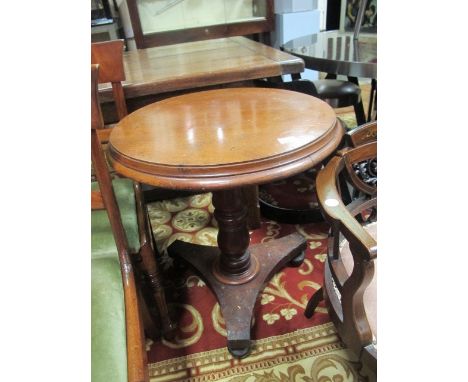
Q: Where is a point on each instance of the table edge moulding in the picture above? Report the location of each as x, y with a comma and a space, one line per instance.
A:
148, 167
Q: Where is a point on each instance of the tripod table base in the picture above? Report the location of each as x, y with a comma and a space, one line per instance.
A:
237, 300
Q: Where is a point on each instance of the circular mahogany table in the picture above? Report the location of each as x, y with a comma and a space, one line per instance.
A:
220, 141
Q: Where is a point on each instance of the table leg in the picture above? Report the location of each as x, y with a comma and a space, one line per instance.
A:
372, 98
235, 271
359, 107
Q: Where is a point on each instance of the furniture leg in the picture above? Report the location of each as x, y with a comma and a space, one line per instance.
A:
151, 329
296, 76
253, 207
372, 99
359, 107
153, 278
235, 271
147, 263
313, 303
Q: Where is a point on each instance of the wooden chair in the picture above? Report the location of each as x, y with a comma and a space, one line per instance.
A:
109, 57
350, 270
118, 352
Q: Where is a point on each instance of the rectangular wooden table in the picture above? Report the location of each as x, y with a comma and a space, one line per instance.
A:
200, 64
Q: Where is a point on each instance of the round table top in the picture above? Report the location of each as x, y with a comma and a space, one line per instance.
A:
224, 138
336, 52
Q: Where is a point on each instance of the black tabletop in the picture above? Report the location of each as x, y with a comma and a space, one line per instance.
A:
337, 52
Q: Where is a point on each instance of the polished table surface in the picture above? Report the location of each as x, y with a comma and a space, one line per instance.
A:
337, 53
199, 64
224, 138
221, 141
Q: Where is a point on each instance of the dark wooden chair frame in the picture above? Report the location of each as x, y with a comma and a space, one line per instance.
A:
346, 307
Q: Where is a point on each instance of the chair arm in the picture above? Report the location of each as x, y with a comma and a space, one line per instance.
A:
335, 211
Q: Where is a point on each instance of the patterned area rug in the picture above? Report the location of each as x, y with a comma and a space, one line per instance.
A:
286, 346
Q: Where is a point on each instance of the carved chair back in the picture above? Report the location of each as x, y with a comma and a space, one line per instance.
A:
361, 134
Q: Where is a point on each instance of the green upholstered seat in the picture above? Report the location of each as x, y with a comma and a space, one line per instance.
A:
108, 335
102, 240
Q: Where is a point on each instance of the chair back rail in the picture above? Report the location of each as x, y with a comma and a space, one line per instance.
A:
362, 134
363, 153
334, 209
108, 55
136, 356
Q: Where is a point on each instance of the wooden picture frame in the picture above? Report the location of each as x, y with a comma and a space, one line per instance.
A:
205, 32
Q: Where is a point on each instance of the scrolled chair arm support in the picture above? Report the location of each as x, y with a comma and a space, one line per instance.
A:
336, 211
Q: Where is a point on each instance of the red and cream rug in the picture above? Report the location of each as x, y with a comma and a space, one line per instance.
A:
286, 346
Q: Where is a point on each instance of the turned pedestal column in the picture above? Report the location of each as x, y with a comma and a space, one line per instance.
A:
235, 271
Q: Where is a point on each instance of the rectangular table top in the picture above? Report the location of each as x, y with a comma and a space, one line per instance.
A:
202, 63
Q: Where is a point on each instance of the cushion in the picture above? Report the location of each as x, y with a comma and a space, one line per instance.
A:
370, 295
108, 341
102, 240
338, 93
328, 88
108, 334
